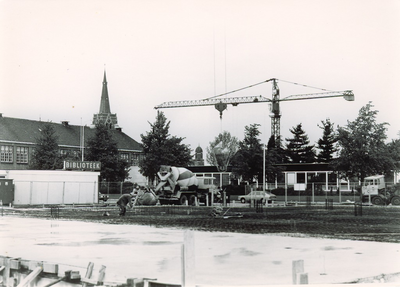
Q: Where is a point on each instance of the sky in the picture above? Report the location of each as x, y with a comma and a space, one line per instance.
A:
54, 53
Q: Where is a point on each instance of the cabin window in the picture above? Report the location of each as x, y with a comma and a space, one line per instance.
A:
301, 178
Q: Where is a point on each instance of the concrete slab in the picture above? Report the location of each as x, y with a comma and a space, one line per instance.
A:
221, 258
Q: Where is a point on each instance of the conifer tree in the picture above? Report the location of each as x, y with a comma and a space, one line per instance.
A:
248, 162
298, 149
274, 155
327, 143
103, 148
46, 153
160, 148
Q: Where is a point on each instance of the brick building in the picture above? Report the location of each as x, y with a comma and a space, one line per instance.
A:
18, 137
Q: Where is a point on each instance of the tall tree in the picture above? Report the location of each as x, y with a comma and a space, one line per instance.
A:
363, 150
160, 148
46, 153
327, 143
298, 149
274, 155
221, 150
248, 162
102, 147
394, 151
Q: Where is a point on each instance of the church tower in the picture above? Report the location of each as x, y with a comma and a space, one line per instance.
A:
105, 116
198, 157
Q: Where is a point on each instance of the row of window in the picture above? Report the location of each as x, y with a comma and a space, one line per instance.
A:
21, 155
7, 154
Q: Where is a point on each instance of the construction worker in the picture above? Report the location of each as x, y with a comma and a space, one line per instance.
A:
123, 201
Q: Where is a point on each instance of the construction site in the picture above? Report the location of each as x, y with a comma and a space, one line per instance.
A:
243, 245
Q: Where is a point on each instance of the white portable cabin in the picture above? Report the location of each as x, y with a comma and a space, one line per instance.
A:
36, 187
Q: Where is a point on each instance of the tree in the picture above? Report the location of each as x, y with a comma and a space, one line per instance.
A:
363, 151
46, 153
248, 161
327, 143
103, 148
394, 152
221, 150
160, 148
274, 155
298, 149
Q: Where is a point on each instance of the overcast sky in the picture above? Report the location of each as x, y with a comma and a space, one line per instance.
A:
54, 53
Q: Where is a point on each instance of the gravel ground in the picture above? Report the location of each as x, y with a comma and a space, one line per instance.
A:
380, 224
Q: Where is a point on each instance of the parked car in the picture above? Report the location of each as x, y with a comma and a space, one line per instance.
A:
257, 195
103, 197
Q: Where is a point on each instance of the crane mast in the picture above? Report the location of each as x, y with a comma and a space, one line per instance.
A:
221, 103
275, 113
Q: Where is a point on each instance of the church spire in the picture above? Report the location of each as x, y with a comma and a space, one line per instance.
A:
105, 116
105, 102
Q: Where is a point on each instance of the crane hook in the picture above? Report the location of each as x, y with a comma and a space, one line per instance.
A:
220, 107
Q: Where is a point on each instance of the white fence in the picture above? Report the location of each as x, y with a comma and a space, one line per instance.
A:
55, 192
35, 187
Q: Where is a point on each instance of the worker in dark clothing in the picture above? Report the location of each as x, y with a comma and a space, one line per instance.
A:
123, 201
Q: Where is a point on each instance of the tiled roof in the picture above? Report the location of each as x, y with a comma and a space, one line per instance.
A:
27, 131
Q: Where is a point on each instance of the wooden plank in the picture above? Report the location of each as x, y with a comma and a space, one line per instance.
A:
15, 263
161, 284
50, 268
89, 272
6, 273
34, 264
102, 275
28, 279
88, 281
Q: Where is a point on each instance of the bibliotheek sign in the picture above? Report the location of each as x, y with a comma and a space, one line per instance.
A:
82, 165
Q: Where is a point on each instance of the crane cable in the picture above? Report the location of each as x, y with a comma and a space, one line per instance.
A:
305, 85
234, 91
247, 87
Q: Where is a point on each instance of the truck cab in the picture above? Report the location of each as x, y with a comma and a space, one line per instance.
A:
372, 185
374, 190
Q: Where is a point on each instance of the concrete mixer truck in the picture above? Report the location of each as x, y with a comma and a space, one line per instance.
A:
179, 185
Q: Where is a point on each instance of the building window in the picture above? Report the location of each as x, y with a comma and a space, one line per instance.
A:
70, 154
124, 156
21, 154
63, 153
301, 178
135, 159
6, 153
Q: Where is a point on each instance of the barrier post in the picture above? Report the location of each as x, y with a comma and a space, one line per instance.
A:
297, 267
188, 260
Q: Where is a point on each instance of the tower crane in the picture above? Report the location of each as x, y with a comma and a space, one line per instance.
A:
221, 103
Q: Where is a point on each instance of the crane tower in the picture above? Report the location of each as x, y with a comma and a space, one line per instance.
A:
221, 103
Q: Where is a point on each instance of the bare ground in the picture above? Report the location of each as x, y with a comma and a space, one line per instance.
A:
376, 223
